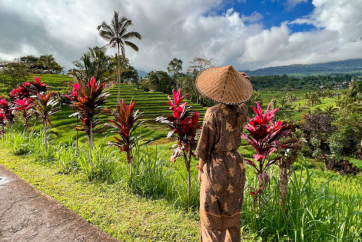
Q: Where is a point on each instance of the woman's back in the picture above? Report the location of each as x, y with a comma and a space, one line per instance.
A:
227, 123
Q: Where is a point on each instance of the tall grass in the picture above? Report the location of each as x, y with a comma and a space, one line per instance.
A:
312, 212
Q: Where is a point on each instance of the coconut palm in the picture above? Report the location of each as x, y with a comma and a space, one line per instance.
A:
117, 35
47, 61
330, 110
93, 63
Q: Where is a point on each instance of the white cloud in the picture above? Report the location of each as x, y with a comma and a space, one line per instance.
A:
337, 37
293, 3
181, 29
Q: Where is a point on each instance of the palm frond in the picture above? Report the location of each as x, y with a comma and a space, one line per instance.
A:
133, 46
132, 35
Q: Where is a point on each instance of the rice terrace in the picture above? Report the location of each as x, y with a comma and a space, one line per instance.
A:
123, 121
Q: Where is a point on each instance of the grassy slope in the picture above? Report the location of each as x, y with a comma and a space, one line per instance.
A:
116, 211
153, 104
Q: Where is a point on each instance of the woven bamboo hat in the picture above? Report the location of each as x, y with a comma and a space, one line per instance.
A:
224, 85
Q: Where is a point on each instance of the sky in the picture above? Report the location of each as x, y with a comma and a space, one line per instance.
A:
247, 34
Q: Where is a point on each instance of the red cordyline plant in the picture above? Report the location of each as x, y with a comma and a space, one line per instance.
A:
25, 105
264, 136
7, 109
124, 125
25, 91
37, 86
21, 92
89, 104
3, 122
45, 106
73, 97
184, 124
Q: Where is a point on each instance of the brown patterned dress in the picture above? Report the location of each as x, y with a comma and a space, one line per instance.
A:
223, 179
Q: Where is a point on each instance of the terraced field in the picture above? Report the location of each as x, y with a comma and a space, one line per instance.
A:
153, 104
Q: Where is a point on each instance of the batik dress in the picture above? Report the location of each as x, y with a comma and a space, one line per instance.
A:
223, 179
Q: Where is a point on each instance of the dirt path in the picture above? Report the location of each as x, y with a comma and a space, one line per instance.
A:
27, 214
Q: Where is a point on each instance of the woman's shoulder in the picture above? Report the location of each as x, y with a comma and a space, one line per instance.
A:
211, 111
214, 108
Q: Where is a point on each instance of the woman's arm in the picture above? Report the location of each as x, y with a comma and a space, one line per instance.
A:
201, 165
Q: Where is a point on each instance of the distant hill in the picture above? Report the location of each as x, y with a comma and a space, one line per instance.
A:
141, 73
353, 67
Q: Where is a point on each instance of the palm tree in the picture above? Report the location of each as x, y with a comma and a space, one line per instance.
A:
47, 61
330, 110
117, 35
94, 63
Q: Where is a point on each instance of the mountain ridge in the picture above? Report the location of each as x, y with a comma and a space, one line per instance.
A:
350, 66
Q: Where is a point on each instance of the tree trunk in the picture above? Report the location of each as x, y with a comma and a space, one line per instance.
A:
45, 135
119, 78
130, 161
283, 185
90, 141
130, 171
76, 152
27, 130
36, 120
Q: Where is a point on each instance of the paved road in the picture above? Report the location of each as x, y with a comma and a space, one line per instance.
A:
27, 214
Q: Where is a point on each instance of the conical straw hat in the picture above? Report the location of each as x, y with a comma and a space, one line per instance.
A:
224, 85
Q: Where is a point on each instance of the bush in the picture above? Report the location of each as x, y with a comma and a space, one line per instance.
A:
313, 213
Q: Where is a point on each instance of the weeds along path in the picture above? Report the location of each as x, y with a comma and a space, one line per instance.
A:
110, 207
29, 215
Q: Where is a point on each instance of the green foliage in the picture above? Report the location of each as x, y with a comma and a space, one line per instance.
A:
348, 134
319, 207
315, 212
93, 63
160, 81
12, 74
330, 68
285, 82
111, 207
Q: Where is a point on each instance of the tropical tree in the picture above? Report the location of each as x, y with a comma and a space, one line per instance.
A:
129, 73
58, 68
47, 61
174, 68
160, 81
12, 74
330, 110
93, 63
117, 36
355, 91
199, 64
46, 105
124, 125
89, 105
318, 126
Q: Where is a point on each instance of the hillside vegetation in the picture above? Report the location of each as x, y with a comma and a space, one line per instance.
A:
353, 67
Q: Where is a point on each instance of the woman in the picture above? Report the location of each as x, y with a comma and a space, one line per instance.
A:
221, 168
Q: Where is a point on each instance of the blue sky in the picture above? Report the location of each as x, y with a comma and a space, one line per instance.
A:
276, 12
248, 34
